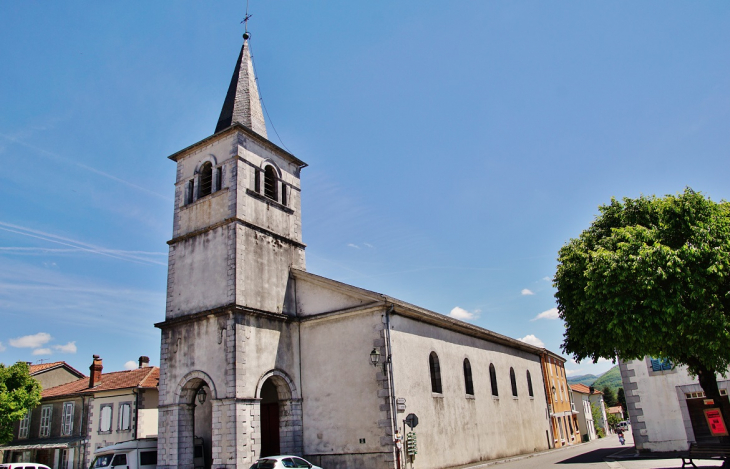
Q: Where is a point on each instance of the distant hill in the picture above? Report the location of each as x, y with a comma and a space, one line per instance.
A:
583, 379
611, 378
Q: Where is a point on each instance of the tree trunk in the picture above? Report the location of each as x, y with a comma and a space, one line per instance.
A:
708, 381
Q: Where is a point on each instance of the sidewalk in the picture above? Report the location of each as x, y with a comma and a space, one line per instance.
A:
630, 454
519, 457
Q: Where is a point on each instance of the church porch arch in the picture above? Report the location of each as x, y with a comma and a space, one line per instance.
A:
280, 415
195, 418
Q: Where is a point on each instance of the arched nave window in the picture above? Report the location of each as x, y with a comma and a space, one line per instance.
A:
467, 378
493, 379
433, 365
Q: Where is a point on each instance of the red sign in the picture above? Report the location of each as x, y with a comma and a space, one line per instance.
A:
715, 422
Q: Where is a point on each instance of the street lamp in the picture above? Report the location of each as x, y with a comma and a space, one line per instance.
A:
202, 395
375, 357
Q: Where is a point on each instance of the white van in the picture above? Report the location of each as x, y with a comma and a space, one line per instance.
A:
138, 454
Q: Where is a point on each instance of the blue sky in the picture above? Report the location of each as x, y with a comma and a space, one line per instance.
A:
453, 147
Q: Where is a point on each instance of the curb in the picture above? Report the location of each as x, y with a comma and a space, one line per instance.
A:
518, 457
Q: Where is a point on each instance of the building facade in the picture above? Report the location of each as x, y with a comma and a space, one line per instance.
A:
79, 416
260, 357
563, 415
663, 401
582, 401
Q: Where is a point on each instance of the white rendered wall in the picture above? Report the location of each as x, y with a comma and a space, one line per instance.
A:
343, 393
651, 398
455, 428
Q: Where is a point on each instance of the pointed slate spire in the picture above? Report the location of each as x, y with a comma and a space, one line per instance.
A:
242, 104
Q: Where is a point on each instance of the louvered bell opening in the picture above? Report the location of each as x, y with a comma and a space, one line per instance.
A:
270, 183
206, 180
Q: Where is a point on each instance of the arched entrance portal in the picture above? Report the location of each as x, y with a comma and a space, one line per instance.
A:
280, 415
203, 427
195, 421
269, 419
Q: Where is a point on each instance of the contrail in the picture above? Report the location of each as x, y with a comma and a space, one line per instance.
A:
87, 168
131, 256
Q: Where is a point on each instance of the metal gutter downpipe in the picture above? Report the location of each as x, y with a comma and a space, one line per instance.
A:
391, 385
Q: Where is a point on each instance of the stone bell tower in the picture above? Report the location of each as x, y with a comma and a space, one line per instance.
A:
237, 232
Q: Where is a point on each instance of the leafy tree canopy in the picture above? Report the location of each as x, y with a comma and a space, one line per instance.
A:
613, 420
650, 276
19, 392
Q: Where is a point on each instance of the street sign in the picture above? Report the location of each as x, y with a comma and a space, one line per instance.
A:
412, 420
400, 408
401, 400
411, 444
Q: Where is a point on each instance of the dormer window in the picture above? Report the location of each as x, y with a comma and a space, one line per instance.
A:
206, 180
270, 185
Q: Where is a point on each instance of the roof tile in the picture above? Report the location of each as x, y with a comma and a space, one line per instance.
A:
146, 377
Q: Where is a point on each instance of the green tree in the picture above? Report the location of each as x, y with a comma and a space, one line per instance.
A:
621, 398
650, 276
597, 420
19, 392
613, 420
608, 396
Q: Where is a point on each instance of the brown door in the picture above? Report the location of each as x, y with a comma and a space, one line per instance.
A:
269, 429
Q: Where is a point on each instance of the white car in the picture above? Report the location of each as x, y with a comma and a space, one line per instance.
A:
23, 465
280, 462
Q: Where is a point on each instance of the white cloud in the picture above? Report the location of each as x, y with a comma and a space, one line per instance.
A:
526, 291
532, 340
68, 348
31, 341
462, 314
552, 313
572, 372
2, 347
131, 365
350, 245
42, 351
548, 279
369, 245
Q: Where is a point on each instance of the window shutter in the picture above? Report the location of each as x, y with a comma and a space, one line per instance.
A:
656, 364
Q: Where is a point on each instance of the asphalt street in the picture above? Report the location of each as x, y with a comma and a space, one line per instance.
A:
605, 453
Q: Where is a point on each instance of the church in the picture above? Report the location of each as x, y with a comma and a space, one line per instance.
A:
260, 357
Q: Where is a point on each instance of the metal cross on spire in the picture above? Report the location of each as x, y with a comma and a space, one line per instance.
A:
245, 23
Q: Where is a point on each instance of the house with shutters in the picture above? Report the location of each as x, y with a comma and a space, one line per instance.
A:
564, 429
80, 415
582, 401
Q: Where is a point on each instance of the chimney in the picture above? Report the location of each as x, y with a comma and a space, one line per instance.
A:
95, 372
144, 361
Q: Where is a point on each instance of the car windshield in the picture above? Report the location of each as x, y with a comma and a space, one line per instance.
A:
264, 464
102, 461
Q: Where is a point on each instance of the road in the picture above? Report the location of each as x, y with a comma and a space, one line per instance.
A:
588, 455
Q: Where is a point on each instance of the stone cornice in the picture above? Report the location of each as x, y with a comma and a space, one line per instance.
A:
230, 220
236, 127
222, 311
